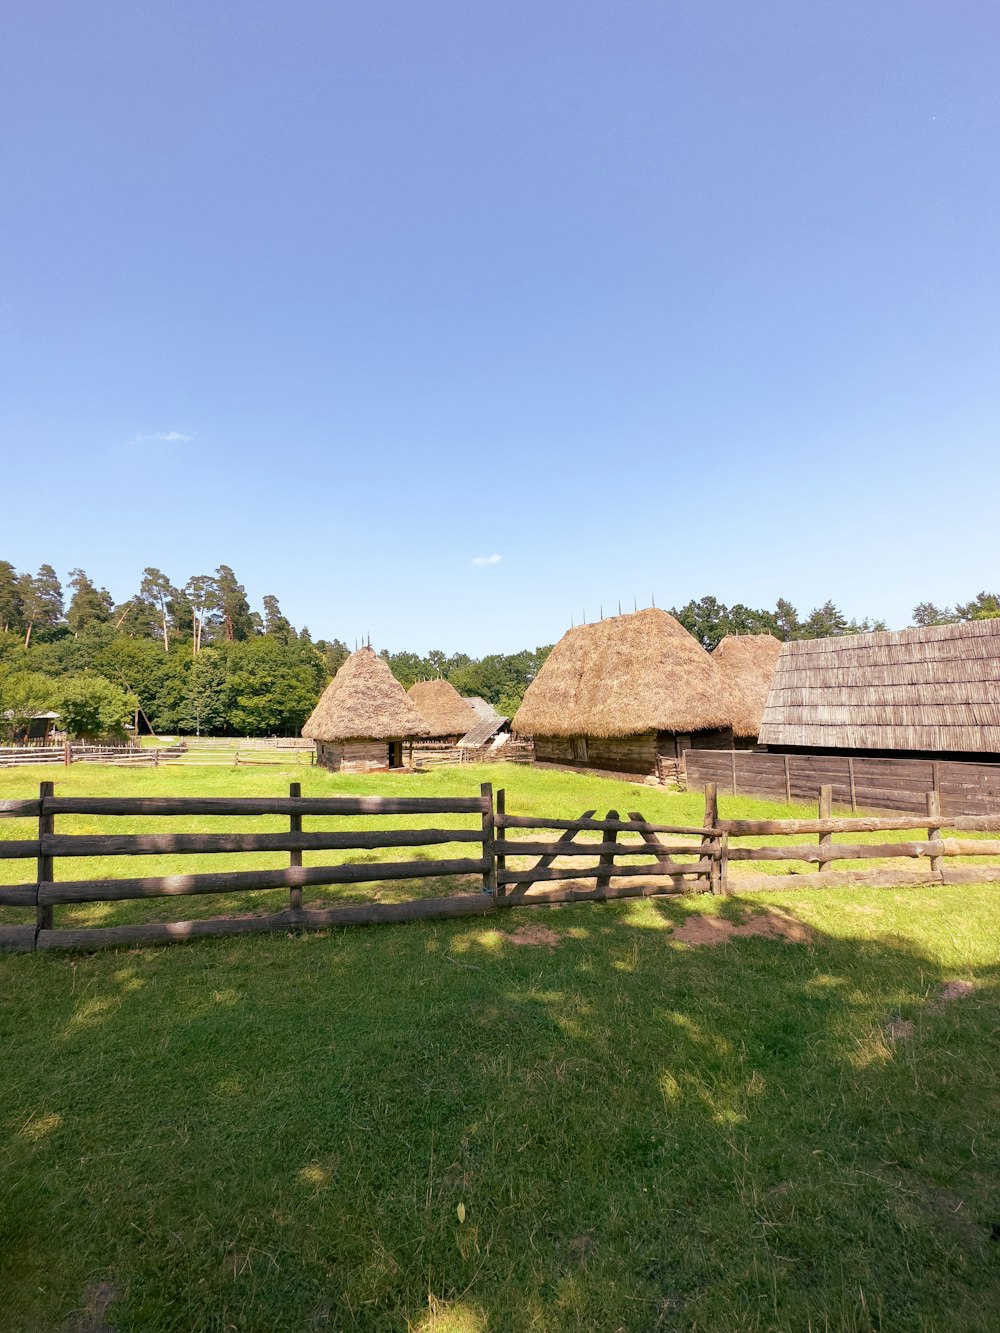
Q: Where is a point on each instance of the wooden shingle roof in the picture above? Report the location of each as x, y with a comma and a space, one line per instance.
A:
927, 689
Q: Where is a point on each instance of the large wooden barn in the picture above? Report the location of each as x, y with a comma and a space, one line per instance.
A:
364, 719
629, 692
446, 713
929, 693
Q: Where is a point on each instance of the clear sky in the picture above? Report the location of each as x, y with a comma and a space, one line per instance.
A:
674, 298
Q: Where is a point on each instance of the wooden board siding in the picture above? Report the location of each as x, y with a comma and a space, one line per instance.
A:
876, 784
355, 756
625, 754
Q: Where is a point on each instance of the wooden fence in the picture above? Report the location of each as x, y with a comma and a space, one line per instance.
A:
47, 892
500, 884
609, 857
516, 885
929, 858
858, 783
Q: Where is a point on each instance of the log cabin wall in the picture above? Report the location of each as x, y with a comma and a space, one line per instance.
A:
859, 782
355, 756
615, 754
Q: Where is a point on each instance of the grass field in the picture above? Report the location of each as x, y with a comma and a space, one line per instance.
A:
569, 1120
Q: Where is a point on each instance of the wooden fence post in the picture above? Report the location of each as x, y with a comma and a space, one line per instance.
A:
67, 752
45, 874
709, 863
732, 757
489, 841
825, 812
850, 779
606, 861
295, 857
723, 876
934, 811
500, 834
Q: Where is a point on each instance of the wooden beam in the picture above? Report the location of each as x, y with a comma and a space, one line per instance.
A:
237, 881
266, 805
362, 914
159, 844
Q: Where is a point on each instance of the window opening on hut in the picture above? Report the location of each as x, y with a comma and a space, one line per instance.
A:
580, 749
395, 754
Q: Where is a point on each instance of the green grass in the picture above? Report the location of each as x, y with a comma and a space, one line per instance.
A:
273, 1133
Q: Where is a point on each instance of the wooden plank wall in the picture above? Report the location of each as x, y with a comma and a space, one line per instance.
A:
858, 782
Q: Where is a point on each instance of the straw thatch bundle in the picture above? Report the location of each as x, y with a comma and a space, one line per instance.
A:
442, 707
364, 701
626, 676
934, 689
747, 661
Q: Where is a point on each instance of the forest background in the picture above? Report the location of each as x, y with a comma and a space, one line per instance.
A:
196, 659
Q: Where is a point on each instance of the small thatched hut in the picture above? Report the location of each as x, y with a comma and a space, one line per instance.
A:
926, 692
623, 692
747, 662
364, 718
445, 712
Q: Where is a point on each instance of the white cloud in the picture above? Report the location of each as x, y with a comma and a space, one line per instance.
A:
165, 437
487, 559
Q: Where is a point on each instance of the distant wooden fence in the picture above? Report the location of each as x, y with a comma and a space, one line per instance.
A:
609, 858
196, 752
858, 783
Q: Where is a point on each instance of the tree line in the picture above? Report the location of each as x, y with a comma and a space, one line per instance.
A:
196, 658
191, 658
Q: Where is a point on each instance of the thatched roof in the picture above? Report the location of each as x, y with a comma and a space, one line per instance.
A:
624, 676
364, 701
748, 661
442, 707
926, 689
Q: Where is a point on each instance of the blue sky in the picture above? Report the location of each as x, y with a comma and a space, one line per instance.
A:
643, 298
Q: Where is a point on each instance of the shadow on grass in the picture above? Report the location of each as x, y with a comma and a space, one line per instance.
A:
449, 1127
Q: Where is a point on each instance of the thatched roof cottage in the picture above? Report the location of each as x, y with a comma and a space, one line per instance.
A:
364, 719
925, 692
624, 692
747, 662
444, 710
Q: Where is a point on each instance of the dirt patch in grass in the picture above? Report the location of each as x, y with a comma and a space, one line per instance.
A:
899, 1029
537, 936
771, 924
948, 992
97, 1301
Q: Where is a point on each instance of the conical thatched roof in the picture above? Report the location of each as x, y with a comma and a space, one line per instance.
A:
748, 661
442, 707
364, 701
624, 676
934, 688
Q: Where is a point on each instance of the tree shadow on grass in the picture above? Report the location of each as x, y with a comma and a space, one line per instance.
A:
641, 1134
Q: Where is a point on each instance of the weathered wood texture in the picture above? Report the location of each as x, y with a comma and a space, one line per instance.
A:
46, 893
858, 782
